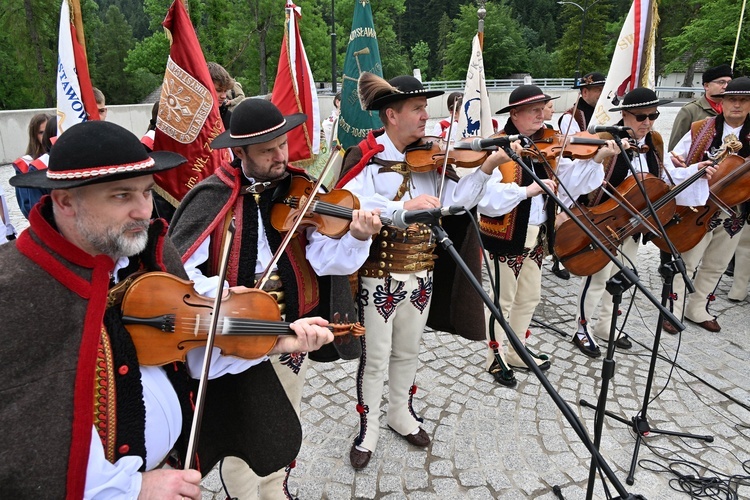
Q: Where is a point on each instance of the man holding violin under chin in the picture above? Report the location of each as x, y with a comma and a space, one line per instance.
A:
249, 190
602, 175
517, 225
396, 282
81, 417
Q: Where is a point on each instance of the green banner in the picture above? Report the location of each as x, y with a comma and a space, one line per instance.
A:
362, 54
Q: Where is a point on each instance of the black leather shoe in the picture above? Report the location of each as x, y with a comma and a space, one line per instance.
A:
558, 270
623, 342
359, 459
420, 439
503, 374
589, 350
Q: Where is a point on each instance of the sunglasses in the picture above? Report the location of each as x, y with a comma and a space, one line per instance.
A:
642, 117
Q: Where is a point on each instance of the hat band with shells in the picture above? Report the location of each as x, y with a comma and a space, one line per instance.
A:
85, 173
529, 99
256, 134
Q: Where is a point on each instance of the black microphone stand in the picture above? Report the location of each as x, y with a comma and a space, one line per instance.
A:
442, 238
616, 286
620, 282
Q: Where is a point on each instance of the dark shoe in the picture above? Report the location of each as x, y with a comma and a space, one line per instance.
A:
668, 327
623, 342
711, 325
559, 271
503, 375
587, 348
359, 459
420, 439
730, 268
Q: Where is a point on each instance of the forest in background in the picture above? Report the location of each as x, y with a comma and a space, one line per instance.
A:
127, 48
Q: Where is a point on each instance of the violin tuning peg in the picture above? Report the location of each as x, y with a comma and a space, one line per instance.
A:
346, 317
336, 317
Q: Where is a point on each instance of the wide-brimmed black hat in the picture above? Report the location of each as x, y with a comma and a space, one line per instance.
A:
641, 97
712, 74
738, 86
255, 121
523, 95
96, 151
590, 80
402, 88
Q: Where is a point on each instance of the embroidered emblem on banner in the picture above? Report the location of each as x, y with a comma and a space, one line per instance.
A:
184, 105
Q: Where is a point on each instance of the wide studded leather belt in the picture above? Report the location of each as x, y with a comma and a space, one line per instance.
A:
400, 251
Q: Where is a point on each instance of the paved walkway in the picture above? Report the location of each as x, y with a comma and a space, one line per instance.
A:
494, 442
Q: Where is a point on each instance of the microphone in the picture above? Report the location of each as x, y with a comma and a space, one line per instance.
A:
405, 218
489, 144
594, 129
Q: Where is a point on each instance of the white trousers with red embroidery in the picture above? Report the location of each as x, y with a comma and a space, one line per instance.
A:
395, 313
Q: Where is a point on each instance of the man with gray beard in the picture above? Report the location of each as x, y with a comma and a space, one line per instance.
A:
82, 418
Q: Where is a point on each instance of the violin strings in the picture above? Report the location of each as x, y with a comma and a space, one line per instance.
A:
241, 326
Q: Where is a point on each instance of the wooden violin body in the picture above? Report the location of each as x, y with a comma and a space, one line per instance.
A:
429, 154
574, 248
166, 318
730, 184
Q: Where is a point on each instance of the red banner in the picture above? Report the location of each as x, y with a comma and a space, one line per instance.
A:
188, 117
294, 90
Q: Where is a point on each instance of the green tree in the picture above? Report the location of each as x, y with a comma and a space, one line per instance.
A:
710, 34
594, 55
504, 51
420, 55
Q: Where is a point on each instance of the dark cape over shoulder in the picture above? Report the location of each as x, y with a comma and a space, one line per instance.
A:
53, 296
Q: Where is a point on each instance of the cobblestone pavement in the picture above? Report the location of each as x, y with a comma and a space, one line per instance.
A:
490, 441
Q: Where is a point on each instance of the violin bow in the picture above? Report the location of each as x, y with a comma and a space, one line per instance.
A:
200, 399
305, 207
448, 141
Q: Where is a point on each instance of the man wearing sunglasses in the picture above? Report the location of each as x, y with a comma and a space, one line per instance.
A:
711, 256
639, 112
715, 81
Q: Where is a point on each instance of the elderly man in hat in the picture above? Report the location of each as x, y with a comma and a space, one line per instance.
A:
591, 86
517, 225
639, 110
710, 257
715, 81
247, 190
396, 285
107, 424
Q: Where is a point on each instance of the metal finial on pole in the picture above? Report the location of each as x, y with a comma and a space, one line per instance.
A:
481, 14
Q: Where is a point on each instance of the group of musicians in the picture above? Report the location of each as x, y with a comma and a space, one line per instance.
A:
110, 424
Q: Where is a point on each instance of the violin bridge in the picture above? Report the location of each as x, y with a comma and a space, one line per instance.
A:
197, 325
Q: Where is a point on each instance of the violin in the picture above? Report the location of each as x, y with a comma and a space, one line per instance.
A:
429, 154
330, 213
730, 186
581, 145
166, 318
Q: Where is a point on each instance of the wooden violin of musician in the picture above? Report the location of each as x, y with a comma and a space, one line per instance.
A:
166, 318
430, 154
330, 213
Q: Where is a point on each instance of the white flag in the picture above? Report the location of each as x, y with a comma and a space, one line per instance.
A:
475, 115
633, 61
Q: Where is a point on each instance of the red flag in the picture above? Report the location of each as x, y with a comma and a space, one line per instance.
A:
294, 90
188, 117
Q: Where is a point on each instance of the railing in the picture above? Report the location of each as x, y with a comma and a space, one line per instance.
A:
545, 83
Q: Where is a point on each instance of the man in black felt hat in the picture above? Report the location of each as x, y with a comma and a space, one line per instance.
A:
710, 257
591, 86
517, 226
639, 110
398, 288
84, 419
247, 190
715, 81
